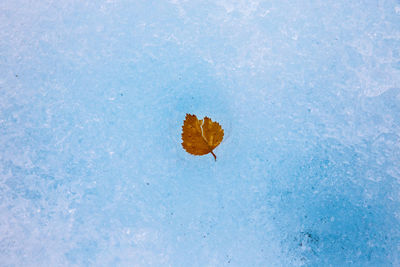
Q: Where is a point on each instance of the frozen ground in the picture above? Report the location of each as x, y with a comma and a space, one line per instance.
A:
92, 98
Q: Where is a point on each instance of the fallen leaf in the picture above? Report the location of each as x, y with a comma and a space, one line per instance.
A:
201, 137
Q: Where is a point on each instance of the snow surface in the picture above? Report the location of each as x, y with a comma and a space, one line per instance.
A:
92, 98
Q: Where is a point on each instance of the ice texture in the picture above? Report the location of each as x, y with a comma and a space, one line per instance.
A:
93, 95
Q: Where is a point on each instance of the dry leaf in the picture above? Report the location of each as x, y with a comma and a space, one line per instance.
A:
200, 137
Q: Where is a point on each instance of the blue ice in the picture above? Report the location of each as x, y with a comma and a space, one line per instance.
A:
93, 95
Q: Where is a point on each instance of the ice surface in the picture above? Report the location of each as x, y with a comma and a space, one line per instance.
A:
92, 98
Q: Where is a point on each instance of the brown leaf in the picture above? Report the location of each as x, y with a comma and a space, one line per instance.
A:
200, 137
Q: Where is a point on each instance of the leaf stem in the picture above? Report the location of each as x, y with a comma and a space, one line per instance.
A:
215, 157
